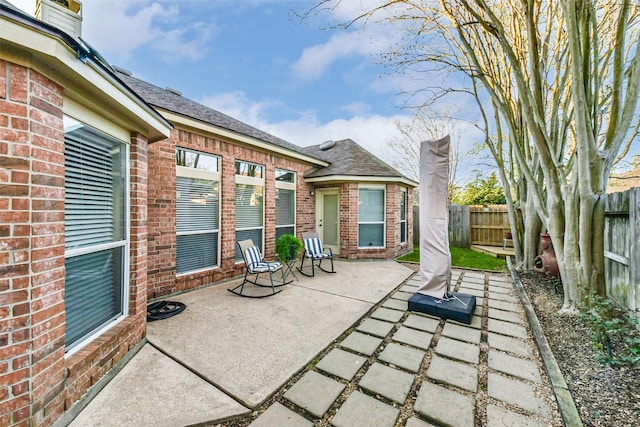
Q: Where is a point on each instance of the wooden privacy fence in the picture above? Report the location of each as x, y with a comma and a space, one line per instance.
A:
472, 225
622, 248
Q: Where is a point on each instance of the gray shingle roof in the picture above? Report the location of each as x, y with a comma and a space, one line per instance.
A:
170, 101
349, 158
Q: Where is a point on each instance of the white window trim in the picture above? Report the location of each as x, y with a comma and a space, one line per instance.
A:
125, 244
187, 172
404, 194
382, 187
283, 185
259, 182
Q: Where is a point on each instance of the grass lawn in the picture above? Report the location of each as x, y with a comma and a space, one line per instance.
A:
464, 258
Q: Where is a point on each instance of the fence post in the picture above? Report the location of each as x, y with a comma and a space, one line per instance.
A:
634, 249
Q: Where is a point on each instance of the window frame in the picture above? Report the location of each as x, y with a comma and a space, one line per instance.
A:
403, 210
289, 186
207, 175
124, 243
242, 179
378, 187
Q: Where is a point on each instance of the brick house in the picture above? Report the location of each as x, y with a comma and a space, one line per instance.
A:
114, 191
258, 186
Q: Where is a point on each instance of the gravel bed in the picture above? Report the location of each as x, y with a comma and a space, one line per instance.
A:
604, 396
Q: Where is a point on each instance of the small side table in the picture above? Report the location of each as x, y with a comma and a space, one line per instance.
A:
504, 243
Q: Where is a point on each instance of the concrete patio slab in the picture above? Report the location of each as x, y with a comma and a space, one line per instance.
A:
369, 281
266, 341
152, 383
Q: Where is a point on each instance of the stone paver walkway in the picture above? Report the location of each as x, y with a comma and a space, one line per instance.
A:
400, 368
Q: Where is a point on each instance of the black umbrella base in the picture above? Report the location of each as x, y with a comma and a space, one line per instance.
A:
457, 306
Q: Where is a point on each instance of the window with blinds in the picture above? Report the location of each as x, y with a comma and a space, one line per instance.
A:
403, 216
197, 211
249, 204
96, 238
285, 202
371, 216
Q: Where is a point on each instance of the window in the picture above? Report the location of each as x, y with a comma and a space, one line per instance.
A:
403, 215
371, 217
96, 231
285, 202
197, 211
249, 204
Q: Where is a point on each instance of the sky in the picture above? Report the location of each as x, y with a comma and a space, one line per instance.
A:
259, 62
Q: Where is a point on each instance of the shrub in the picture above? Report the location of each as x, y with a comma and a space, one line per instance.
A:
614, 333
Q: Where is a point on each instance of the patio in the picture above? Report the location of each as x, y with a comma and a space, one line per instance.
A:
224, 355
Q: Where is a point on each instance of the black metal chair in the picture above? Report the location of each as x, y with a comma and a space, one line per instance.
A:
256, 265
314, 251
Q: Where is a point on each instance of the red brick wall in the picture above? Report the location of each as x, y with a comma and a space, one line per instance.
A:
37, 383
349, 224
162, 209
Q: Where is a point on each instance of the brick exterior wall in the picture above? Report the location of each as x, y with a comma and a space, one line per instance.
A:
349, 223
162, 209
37, 382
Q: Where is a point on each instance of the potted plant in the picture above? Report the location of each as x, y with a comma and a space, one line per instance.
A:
287, 247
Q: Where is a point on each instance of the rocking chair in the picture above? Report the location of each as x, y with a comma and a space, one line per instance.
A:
257, 265
314, 251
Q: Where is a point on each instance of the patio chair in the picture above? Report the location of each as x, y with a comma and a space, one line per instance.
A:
257, 265
314, 251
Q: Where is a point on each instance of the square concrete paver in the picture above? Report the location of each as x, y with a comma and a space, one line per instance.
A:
503, 305
499, 417
413, 337
522, 368
396, 304
510, 344
457, 374
281, 416
375, 327
507, 316
445, 406
403, 296
423, 323
476, 320
501, 296
362, 343
388, 382
458, 350
472, 285
498, 289
506, 328
463, 333
314, 392
517, 393
360, 410
403, 356
478, 293
387, 314
341, 363
493, 282
414, 422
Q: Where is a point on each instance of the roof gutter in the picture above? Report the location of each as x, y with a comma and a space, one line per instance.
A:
361, 178
87, 55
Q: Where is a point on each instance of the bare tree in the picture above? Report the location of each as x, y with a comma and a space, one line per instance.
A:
404, 150
564, 80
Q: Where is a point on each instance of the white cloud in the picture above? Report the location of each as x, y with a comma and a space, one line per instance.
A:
119, 29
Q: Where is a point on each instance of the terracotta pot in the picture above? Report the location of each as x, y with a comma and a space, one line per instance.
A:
546, 263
